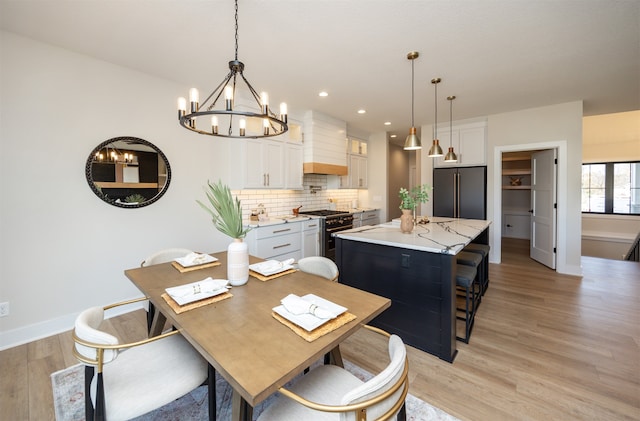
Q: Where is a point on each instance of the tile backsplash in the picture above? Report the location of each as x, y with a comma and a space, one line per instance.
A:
280, 202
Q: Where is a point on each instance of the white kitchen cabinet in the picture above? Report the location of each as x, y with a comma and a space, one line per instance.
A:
311, 238
293, 166
358, 177
469, 144
277, 241
261, 164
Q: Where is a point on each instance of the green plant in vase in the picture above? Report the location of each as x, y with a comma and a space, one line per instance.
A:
409, 200
226, 215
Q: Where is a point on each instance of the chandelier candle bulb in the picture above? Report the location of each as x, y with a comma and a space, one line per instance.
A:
283, 112
214, 125
264, 98
194, 98
243, 126
265, 124
228, 97
182, 107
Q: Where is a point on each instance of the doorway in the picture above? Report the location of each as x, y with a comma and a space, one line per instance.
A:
496, 214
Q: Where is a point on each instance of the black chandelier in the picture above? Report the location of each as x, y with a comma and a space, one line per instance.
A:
254, 121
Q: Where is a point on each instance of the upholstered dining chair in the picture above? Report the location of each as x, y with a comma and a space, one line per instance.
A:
318, 265
162, 256
146, 375
329, 392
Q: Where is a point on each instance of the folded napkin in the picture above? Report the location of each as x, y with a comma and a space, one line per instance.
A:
272, 266
206, 286
194, 258
297, 306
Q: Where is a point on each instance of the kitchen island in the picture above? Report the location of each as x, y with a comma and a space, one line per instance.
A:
416, 271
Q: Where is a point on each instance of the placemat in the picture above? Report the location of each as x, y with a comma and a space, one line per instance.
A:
330, 326
270, 277
181, 309
183, 269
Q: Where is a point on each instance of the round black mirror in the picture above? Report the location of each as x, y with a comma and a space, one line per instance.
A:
128, 172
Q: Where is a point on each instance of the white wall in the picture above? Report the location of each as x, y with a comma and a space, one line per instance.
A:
61, 248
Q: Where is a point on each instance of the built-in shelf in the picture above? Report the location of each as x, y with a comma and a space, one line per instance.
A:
517, 171
114, 185
516, 187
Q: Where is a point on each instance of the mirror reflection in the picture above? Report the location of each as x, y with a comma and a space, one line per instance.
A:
128, 172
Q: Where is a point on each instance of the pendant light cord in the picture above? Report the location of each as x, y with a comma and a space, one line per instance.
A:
412, 92
435, 123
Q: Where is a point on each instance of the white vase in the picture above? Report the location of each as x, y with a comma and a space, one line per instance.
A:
238, 262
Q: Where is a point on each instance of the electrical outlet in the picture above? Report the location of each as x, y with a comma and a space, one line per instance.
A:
4, 309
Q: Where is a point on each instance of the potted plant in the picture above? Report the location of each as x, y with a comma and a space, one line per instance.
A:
226, 215
409, 200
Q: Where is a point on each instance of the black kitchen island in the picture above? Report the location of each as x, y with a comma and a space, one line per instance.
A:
416, 271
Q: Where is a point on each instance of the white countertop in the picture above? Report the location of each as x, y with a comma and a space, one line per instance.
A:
440, 235
275, 220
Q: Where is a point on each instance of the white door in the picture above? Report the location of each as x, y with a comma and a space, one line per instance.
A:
543, 204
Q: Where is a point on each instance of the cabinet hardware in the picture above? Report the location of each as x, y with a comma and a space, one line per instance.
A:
284, 230
283, 245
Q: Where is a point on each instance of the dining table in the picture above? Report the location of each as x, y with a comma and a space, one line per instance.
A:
241, 337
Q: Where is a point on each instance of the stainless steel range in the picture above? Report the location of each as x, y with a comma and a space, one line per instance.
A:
331, 222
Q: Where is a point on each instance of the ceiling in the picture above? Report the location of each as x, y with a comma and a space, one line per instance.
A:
494, 55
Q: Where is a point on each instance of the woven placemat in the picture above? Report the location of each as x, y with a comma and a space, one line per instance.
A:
181, 309
270, 277
183, 269
330, 326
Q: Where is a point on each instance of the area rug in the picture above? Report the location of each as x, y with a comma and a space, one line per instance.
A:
68, 400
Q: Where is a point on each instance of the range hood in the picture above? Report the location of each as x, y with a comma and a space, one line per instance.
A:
325, 144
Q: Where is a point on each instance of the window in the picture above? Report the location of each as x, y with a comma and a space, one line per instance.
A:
611, 187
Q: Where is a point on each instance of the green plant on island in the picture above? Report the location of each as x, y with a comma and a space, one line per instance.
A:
225, 210
411, 199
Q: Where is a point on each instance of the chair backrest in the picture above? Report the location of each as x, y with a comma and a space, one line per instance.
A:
318, 265
86, 329
379, 384
164, 256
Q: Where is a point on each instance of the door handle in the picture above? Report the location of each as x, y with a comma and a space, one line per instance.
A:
530, 210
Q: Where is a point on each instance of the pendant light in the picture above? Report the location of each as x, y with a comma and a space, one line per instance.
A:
412, 142
435, 149
255, 120
451, 155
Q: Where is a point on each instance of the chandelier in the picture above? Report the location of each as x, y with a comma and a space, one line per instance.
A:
232, 120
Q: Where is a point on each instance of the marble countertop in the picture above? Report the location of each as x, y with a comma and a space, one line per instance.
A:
440, 235
275, 220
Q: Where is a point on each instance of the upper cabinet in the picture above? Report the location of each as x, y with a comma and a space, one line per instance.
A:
324, 144
469, 143
270, 163
357, 177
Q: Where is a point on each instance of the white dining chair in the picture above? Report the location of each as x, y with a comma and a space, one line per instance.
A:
319, 265
329, 392
135, 378
162, 256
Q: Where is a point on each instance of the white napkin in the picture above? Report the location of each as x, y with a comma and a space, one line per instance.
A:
297, 306
206, 286
194, 258
272, 266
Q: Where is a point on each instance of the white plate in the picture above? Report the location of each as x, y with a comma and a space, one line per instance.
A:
204, 260
271, 267
310, 322
196, 291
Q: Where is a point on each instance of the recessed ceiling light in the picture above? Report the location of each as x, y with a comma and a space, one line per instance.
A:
393, 136
323, 94
362, 111
387, 123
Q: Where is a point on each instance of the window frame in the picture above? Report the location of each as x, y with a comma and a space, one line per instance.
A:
608, 187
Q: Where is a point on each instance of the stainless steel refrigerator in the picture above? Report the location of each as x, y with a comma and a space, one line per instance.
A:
460, 192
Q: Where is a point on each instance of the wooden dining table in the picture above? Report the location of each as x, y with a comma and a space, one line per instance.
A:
239, 336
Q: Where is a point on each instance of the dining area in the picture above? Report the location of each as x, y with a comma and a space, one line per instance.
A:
251, 336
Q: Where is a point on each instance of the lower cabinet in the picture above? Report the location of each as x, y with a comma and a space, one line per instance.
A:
311, 238
291, 240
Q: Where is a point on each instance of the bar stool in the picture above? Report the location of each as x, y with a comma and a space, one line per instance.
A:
465, 279
474, 260
484, 250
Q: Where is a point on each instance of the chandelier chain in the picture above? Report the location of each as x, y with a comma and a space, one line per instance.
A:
236, 30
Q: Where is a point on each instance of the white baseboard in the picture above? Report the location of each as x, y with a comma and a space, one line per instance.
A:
26, 334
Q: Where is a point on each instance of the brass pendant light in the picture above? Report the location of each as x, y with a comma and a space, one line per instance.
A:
435, 150
412, 142
451, 155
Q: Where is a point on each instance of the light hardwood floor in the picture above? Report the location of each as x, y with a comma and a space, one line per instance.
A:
545, 347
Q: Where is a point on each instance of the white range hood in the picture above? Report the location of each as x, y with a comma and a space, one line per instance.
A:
325, 144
